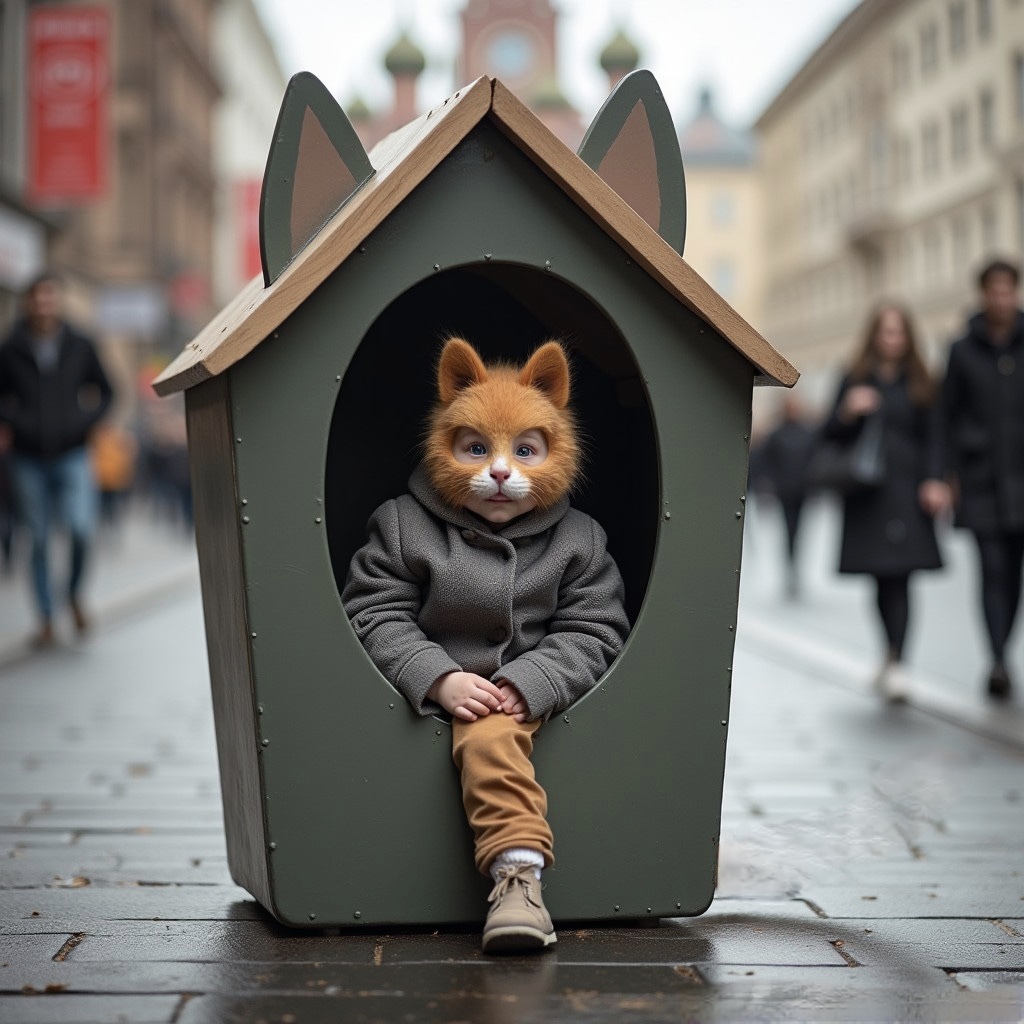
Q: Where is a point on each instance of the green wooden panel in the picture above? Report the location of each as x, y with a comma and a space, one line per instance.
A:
361, 799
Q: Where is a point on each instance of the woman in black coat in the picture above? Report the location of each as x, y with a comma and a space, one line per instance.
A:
888, 531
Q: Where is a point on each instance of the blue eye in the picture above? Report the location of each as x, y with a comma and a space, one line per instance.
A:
476, 449
524, 451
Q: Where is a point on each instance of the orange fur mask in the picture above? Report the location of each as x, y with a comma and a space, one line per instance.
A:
499, 405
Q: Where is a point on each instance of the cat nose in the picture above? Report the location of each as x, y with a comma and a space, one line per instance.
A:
500, 473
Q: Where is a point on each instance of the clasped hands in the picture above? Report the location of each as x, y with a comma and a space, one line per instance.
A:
469, 696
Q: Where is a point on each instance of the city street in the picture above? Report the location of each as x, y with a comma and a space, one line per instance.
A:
871, 865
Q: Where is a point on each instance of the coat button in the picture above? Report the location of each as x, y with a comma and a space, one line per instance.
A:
497, 635
468, 535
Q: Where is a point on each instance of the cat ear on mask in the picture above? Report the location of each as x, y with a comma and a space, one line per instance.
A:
548, 371
632, 145
315, 165
459, 368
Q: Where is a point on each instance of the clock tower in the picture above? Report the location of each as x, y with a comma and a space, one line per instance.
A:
516, 41
513, 40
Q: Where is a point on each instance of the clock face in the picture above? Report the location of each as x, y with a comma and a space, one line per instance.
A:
511, 53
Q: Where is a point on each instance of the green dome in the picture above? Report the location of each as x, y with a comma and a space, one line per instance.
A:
547, 95
620, 54
357, 110
404, 57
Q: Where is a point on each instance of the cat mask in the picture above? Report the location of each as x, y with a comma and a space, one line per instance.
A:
499, 405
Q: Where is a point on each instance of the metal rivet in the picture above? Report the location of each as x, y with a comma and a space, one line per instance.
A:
259, 709
616, 906
238, 440
265, 743
276, 335
318, 520
273, 846
648, 910
724, 722
245, 501
487, 255
438, 732
392, 706
337, 378
668, 515
437, 266
743, 498
312, 917
253, 635
362, 248
629, 263
739, 515
746, 437
729, 669
565, 718
731, 628
547, 264
679, 906
357, 914
245, 519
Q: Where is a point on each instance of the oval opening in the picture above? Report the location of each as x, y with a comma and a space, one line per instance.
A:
505, 311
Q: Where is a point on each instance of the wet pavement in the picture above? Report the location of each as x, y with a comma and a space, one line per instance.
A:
872, 857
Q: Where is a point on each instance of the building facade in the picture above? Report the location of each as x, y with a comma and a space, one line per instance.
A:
723, 208
892, 166
252, 84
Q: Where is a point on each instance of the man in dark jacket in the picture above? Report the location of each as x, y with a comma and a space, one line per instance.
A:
53, 390
983, 400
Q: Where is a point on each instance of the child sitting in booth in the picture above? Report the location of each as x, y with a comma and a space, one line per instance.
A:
482, 593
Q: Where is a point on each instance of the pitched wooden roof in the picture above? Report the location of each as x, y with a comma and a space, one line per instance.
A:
403, 160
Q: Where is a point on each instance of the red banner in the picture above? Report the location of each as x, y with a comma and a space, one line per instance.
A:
248, 208
68, 86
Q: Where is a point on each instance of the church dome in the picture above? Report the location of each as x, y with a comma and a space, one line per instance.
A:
620, 54
548, 95
404, 57
357, 110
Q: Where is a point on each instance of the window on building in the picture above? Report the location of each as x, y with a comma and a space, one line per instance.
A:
723, 278
984, 12
930, 149
1018, 86
986, 118
929, 48
723, 209
989, 231
1020, 214
900, 65
960, 234
957, 27
958, 139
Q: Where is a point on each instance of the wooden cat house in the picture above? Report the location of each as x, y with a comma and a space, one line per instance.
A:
306, 398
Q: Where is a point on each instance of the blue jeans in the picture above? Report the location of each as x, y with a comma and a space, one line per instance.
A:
58, 488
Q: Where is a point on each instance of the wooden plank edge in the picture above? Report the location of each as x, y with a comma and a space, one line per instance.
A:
234, 333
521, 126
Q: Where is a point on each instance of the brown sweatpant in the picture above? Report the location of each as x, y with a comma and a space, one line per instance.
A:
505, 804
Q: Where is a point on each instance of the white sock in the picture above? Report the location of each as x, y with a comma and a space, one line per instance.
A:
517, 855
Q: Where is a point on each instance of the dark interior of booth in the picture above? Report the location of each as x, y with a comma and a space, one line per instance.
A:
505, 311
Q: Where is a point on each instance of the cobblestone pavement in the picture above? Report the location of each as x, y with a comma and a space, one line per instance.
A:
872, 865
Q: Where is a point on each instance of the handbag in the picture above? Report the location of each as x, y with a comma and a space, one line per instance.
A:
850, 467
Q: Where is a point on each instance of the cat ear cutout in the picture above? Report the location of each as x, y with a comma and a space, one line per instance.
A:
460, 367
316, 163
548, 371
632, 145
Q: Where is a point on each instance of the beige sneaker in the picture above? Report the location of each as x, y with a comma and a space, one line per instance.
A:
518, 918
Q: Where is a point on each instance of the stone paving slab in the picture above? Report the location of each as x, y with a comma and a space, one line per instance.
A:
61, 1008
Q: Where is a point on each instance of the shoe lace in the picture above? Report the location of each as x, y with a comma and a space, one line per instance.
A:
510, 875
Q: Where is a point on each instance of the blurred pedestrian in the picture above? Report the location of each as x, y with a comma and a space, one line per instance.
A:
53, 390
983, 399
888, 530
780, 469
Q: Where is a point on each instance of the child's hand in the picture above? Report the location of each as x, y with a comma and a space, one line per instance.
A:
512, 702
466, 695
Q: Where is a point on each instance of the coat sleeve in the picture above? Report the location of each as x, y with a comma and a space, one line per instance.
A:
584, 636
836, 428
382, 598
96, 375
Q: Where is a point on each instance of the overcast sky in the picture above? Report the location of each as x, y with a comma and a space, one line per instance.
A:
745, 49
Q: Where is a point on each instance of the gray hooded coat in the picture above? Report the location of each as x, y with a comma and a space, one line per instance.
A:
437, 590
